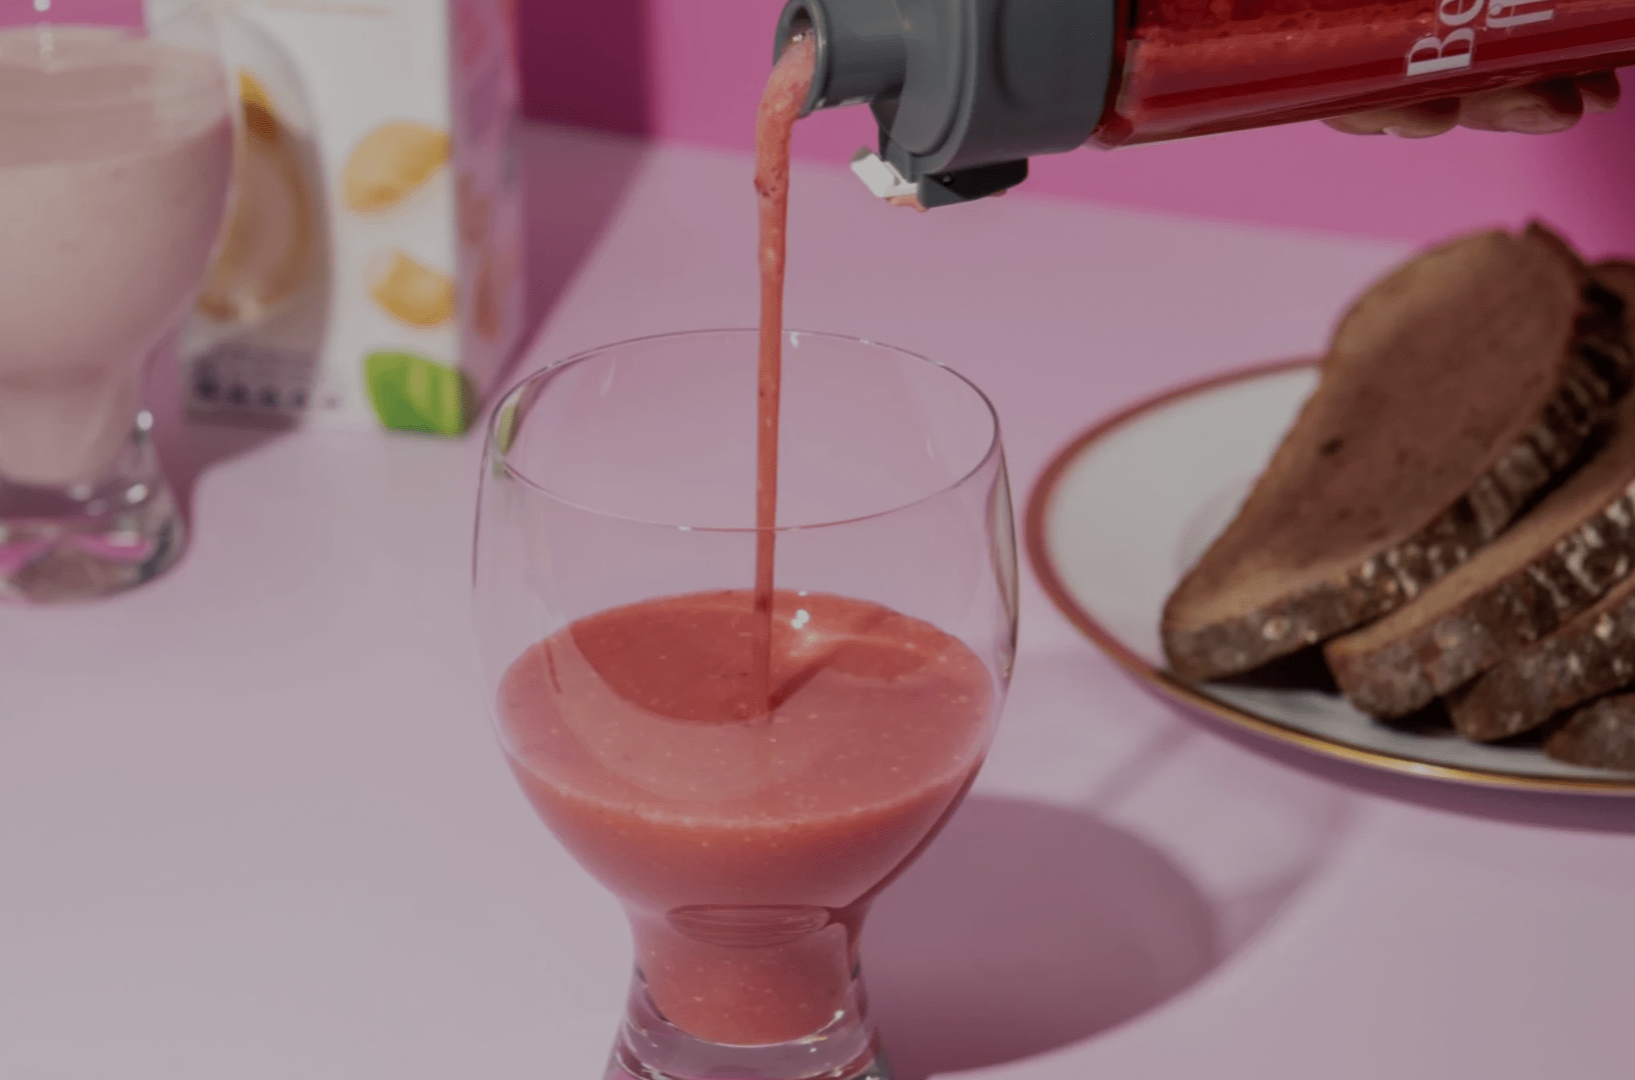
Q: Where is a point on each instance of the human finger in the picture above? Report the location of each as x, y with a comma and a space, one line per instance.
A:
1540, 108
1410, 122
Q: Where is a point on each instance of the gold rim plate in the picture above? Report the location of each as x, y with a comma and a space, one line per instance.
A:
1121, 511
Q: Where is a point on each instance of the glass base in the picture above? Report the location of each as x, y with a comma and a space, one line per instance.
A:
651, 1048
90, 539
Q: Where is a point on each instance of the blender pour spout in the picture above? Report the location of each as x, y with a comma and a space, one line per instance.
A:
963, 91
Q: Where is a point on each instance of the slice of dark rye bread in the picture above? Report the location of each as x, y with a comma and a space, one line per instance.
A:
1560, 558
1454, 390
1601, 735
1591, 655
1590, 652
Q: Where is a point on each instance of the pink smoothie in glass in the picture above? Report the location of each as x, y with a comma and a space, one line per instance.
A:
746, 849
115, 159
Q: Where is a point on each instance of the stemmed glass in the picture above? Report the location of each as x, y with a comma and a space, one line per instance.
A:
614, 554
116, 156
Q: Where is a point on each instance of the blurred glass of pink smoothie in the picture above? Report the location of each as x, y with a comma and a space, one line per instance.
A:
115, 161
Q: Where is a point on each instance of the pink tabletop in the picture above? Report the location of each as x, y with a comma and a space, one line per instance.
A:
252, 822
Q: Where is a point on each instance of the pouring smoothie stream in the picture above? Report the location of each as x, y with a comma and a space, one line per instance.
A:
747, 766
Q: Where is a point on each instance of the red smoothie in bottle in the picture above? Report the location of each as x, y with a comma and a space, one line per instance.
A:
1195, 67
746, 849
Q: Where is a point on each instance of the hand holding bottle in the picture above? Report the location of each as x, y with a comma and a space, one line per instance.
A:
1537, 109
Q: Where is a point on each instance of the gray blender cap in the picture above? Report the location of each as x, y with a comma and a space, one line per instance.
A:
964, 91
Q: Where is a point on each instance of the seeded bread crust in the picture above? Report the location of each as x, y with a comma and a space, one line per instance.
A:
1595, 370
1499, 601
1601, 736
1503, 600
1588, 656
1592, 655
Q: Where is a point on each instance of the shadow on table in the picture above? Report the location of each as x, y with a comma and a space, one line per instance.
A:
1024, 928
574, 182
1131, 856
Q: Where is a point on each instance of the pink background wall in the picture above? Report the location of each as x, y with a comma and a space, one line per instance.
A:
691, 70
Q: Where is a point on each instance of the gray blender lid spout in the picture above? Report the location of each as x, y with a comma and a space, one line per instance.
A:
964, 91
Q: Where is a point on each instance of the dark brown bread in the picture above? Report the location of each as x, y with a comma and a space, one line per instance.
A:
1453, 392
1605, 335
1601, 736
1556, 561
1591, 655
1617, 275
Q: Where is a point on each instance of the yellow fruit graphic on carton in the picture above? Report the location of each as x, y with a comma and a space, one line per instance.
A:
267, 243
390, 162
412, 291
260, 117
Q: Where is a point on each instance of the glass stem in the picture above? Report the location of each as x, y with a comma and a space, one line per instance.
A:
651, 1047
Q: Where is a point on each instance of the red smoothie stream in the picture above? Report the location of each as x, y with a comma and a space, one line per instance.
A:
781, 102
746, 769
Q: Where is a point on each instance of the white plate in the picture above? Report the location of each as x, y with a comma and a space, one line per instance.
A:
1121, 513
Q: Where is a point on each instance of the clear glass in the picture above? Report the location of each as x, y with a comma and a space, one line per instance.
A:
116, 158
615, 554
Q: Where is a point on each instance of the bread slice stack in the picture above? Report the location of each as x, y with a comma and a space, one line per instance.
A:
1601, 735
1453, 510
1453, 392
1561, 557
1590, 655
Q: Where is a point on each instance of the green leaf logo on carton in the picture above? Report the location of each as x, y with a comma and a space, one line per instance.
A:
412, 393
